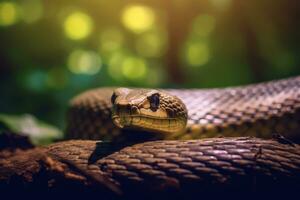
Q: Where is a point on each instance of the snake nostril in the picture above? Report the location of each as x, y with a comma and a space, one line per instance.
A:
134, 110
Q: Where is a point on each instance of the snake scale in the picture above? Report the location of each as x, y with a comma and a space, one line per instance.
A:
237, 153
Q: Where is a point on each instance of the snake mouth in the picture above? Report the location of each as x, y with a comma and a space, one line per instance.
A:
149, 123
121, 122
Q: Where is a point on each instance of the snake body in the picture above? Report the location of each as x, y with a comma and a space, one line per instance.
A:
254, 110
179, 168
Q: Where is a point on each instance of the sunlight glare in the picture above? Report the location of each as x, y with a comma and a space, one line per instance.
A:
134, 68
197, 54
84, 62
8, 13
138, 18
78, 25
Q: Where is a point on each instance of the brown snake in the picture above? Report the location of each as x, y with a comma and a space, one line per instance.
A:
177, 168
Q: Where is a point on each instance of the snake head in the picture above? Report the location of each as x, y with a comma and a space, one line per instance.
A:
148, 109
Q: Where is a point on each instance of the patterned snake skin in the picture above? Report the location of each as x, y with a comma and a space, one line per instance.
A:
206, 164
181, 169
255, 110
160, 169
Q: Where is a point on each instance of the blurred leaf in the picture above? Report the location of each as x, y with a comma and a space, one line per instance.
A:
39, 132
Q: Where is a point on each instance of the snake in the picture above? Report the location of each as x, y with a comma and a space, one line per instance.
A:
253, 110
179, 143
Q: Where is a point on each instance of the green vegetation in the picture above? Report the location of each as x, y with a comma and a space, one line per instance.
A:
53, 50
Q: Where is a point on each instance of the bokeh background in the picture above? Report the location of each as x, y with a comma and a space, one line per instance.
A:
53, 50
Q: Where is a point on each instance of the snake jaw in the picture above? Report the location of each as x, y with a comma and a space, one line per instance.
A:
117, 121
122, 121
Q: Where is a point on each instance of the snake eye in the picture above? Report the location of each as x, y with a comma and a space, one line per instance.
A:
154, 101
113, 98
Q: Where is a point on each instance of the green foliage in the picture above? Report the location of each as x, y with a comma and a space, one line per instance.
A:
38, 131
52, 50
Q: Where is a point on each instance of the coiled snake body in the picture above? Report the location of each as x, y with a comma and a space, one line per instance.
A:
255, 110
178, 167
